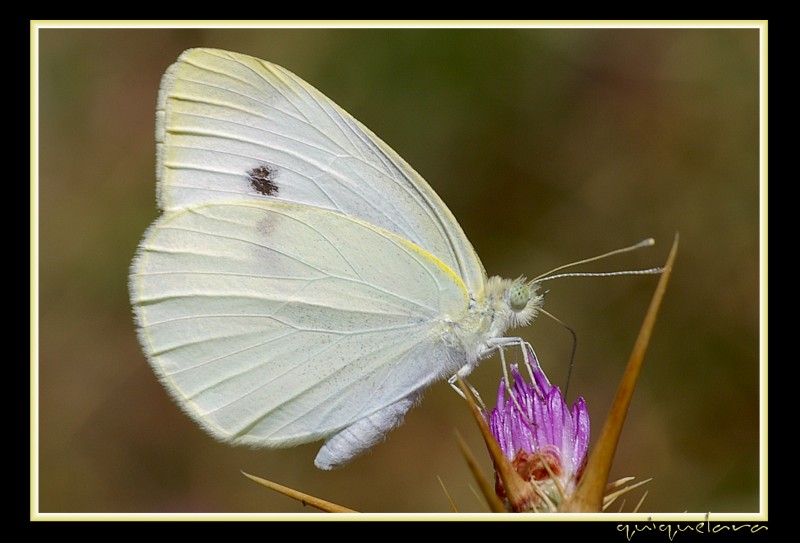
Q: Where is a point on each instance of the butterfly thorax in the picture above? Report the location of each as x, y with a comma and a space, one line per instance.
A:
503, 304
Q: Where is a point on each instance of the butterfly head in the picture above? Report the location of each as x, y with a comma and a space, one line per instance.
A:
514, 303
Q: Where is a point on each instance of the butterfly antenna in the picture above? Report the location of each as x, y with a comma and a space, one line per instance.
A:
649, 242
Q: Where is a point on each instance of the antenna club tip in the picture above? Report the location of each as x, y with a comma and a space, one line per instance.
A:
649, 242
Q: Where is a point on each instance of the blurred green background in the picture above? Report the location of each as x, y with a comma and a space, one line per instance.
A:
549, 146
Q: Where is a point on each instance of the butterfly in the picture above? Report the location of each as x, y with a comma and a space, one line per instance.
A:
303, 282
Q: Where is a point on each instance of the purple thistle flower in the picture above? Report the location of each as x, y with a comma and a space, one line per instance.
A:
545, 442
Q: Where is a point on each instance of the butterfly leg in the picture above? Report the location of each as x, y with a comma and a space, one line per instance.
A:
524, 347
499, 345
359, 437
453, 382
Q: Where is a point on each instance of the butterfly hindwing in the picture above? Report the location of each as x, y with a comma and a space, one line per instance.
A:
274, 324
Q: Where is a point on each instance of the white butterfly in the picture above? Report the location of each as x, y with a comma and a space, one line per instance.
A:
303, 282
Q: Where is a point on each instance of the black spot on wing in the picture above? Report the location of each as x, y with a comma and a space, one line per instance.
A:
262, 179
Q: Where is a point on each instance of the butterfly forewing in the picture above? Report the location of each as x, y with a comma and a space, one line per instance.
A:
230, 126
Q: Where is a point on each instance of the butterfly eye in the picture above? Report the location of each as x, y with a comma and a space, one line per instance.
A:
519, 294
